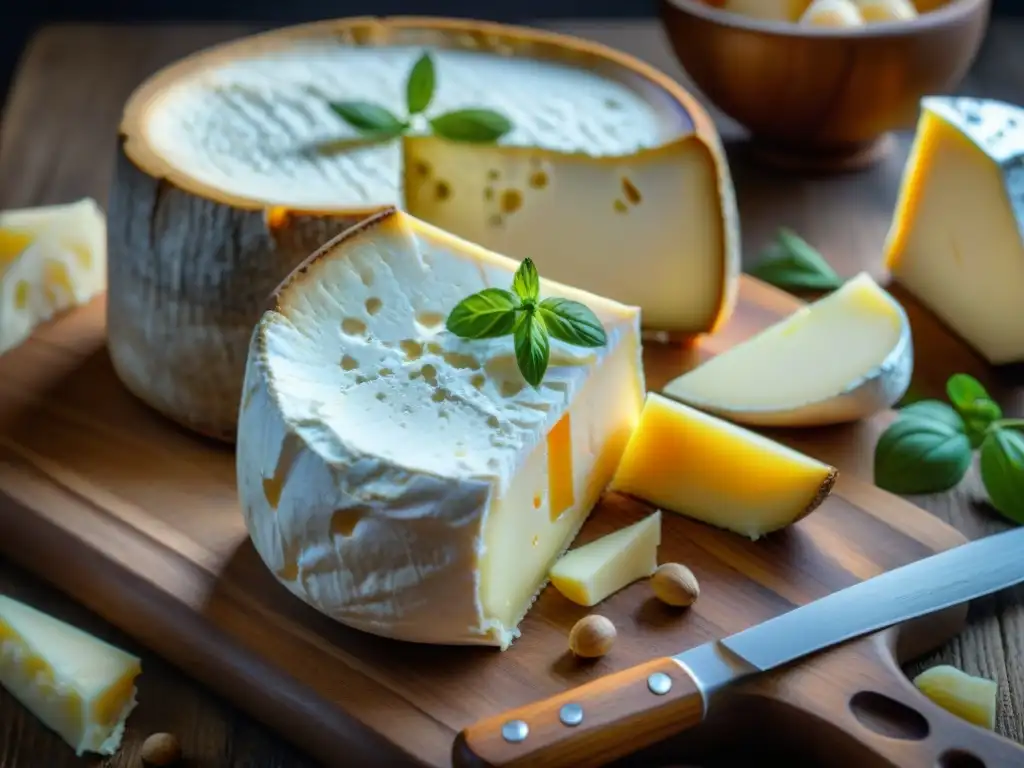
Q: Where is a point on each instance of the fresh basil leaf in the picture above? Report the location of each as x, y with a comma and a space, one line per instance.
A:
367, 117
933, 410
485, 315
964, 390
419, 88
532, 349
917, 455
974, 404
791, 263
475, 125
1002, 471
526, 282
572, 322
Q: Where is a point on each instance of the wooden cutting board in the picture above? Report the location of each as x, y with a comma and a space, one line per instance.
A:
138, 520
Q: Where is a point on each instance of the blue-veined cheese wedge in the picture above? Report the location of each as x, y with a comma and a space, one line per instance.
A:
76, 684
842, 358
957, 235
234, 168
405, 481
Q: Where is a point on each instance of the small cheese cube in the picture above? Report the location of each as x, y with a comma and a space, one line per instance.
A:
589, 574
76, 684
886, 10
966, 696
832, 13
697, 465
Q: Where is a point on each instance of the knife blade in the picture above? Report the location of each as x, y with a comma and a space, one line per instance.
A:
620, 713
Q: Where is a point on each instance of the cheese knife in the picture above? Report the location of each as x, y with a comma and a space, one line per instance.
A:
610, 717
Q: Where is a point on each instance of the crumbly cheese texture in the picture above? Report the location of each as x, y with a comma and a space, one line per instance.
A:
405, 481
51, 258
76, 684
603, 180
842, 358
695, 464
588, 574
957, 236
832, 13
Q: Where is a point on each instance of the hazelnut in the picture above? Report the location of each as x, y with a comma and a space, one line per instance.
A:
161, 749
675, 584
592, 637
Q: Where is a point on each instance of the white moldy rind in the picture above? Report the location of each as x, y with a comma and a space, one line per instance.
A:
230, 172
373, 446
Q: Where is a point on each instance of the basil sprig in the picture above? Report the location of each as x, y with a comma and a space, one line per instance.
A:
532, 321
374, 121
791, 263
930, 446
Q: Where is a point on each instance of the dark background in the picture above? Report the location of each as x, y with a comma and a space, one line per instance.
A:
20, 18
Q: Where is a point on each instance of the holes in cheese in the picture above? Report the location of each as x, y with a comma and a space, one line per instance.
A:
588, 574
468, 483
700, 466
839, 359
76, 684
957, 235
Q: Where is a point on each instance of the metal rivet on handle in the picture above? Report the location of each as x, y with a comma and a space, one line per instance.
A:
659, 683
515, 731
571, 714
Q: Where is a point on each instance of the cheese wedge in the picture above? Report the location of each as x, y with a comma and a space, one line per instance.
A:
405, 481
76, 684
966, 696
51, 258
873, 11
689, 462
613, 177
957, 235
589, 574
768, 10
842, 358
832, 13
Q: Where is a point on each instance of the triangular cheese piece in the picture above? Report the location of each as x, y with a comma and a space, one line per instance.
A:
700, 466
957, 236
589, 574
78, 685
407, 482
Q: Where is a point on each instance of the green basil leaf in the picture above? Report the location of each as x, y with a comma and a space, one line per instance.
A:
933, 410
917, 455
1002, 472
475, 125
974, 404
367, 117
526, 282
419, 88
964, 390
792, 264
532, 349
485, 315
572, 322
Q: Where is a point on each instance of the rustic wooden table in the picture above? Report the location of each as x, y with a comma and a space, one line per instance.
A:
56, 144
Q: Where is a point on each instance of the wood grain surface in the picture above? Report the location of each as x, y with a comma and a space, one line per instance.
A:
57, 144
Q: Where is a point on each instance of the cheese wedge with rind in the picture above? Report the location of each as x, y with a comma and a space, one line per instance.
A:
957, 236
52, 258
590, 573
689, 462
839, 359
404, 481
76, 684
236, 150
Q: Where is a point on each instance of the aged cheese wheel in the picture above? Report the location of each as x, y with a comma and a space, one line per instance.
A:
233, 168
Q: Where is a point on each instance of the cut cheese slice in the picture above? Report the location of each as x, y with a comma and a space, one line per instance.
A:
700, 466
76, 684
842, 358
957, 236
972, 698
613, 178
51, 258
405, 481
833, 13
589, 574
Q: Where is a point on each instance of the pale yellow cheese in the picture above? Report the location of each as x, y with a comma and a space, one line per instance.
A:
76, 684
886, 10
589, 574
972, 698
697, 465
768, 10
832, 13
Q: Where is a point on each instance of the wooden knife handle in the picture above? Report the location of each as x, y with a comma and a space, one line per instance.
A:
590, 725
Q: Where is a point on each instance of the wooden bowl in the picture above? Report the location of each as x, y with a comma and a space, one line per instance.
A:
817, 97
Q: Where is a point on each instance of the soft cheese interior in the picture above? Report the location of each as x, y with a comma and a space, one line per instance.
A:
407, 482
